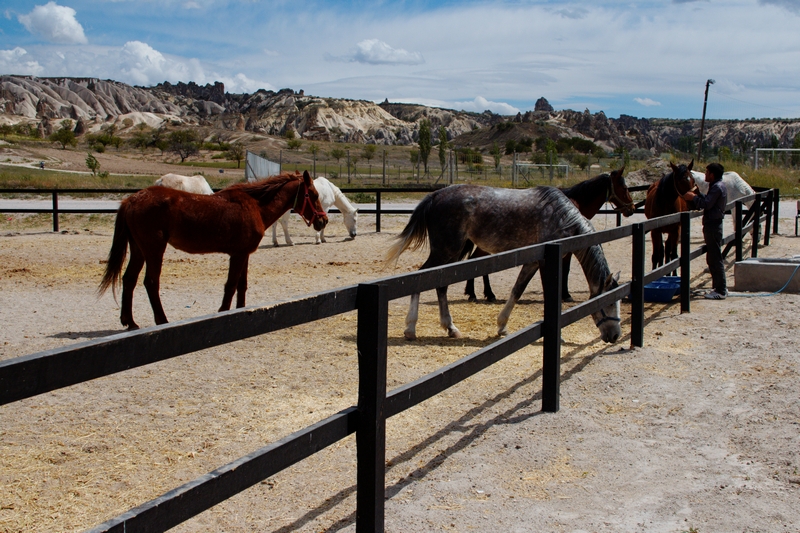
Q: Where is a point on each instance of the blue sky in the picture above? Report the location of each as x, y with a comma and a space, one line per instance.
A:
645, 59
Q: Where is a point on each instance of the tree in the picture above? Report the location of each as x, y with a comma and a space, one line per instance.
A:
236, 152
368, 153
724, 153
443, 146
5, 129
64, 135
496, 154
294, 144
338, 154
183, 143
796, 144
142, 137
425, 142
92, 163
598, 153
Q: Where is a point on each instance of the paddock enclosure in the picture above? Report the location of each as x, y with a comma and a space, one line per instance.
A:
75, 457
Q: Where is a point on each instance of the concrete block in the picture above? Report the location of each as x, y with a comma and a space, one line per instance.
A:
763, 274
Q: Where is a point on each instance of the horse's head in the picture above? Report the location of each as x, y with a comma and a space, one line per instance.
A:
607, 319
351, 223
311, 209
682, 177
619, 195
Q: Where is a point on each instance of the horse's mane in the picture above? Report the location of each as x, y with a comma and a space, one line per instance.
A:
266, 189
589, 188
569, 218
666, 185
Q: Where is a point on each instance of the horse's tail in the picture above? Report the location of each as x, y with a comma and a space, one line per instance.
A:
116, 256
415, 234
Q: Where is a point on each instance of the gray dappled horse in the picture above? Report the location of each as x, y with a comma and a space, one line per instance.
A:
456, 218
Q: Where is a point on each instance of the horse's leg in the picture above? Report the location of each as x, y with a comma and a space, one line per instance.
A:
129, 280
235, 266
275, 234
445, 320
469, 290
284, 220
671, 251
154, 259
658, 248
525, 275
565, 295
411, 318
487, 290
241, 287
320, 236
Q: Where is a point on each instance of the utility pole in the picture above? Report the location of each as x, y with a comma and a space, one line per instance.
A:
703, 120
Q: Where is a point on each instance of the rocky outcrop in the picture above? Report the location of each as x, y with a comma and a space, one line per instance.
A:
91, 102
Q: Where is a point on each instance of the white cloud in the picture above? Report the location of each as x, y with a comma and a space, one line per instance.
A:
13, 62
54, 23
647, 102
790, 5
242, 84
481, 104
375, 52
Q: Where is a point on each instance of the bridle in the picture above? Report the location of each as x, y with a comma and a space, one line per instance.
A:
306, 201
606, 318
619, 204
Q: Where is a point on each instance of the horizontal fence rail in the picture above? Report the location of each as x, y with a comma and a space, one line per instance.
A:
39, 373
378, 210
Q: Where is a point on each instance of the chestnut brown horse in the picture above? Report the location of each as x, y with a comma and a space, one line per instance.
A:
589, 197
664, 197
232, 222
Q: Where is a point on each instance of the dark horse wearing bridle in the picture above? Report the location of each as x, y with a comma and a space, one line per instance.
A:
664, 197
589, 196
232, 222
497, 220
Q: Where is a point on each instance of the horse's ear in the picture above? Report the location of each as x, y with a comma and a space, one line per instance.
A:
689, 168
612, 280
306, 177
622, 170
673, 167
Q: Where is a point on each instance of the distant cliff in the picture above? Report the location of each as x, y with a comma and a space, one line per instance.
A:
93, 102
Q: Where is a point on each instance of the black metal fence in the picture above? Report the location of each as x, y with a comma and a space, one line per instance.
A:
39, 373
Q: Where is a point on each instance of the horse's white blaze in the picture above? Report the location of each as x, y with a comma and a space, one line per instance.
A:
329, 195
194, 184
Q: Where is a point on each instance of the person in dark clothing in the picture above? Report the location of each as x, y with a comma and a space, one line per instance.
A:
713, 206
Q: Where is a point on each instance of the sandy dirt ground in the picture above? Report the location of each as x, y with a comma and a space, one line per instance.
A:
698, 431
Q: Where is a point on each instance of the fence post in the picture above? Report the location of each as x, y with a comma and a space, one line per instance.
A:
756, 226
776, 210
737, 226
637, 286
768, 218
373, 319
686, 251
377, 211
551, 353
55, 211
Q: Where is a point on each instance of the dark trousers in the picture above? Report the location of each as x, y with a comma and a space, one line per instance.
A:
712, 233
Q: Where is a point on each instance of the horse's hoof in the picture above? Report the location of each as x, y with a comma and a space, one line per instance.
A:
491, 299
502, 332
275, 244
132, 327
472, 299
454, 333
567, 298
410, 335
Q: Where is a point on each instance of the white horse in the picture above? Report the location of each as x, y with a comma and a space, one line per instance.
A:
196, 184
329, 194
734, 183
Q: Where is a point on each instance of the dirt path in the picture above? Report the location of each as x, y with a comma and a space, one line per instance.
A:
698, 431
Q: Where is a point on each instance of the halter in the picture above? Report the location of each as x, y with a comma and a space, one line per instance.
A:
611, 195
606, 318
306, 201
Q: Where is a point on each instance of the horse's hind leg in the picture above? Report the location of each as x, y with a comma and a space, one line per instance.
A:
129, 280
525, 275
445, 320
237, 263
411, 318
152, 276
241, 287
658, 249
